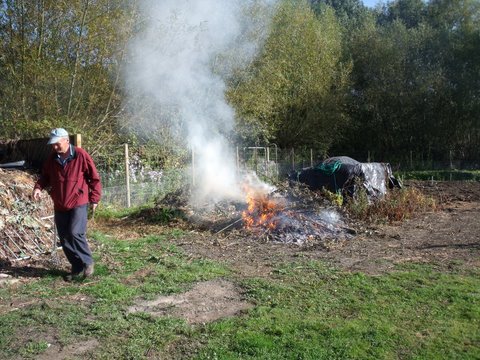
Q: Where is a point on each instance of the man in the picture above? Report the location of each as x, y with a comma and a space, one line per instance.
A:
73, 180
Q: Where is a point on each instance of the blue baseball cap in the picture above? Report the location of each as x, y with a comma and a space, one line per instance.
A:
56, 135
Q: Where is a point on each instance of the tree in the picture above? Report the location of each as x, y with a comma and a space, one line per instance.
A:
416, 81
60, 65
294, 93
410, 12
458, 50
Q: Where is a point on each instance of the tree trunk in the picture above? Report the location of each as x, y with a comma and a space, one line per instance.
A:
76, 61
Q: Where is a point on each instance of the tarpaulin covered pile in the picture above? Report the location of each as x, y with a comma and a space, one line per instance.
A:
344, 174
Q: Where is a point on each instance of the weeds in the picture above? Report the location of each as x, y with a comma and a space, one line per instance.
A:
336, 198
396, 206
149, 213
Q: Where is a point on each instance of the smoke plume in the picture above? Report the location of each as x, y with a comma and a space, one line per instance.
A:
178, 64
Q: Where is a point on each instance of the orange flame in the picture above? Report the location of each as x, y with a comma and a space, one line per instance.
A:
261, 211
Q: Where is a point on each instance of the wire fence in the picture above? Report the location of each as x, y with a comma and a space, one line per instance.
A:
135, 175
132, 176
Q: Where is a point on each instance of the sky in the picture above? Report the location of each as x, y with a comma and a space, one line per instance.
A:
370, 3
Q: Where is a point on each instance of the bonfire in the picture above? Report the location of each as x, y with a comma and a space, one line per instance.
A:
291, 217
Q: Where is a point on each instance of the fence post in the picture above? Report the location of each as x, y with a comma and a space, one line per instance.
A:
77, 140
127, 174
276, 161
311, 157
267, 161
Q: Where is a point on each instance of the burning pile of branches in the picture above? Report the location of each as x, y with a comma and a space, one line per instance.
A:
294, 215
26, 227
286, 214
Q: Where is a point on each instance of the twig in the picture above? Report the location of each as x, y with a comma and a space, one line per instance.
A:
226, 227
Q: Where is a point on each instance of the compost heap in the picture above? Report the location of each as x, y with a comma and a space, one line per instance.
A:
26, 227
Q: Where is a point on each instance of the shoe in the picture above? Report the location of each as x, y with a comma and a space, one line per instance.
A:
88, 270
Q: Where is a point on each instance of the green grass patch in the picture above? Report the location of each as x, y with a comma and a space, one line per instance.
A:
313, 312
440, 175
305, 310
125, 270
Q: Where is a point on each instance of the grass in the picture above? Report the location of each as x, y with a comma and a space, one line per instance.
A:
305, 310
56, 310
440, 175
314, 312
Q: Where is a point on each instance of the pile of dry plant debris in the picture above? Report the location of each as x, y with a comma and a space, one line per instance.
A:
26, 227
290, 214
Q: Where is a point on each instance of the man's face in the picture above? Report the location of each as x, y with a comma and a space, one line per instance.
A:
61, 146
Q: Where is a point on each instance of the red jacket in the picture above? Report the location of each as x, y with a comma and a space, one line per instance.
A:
74, 184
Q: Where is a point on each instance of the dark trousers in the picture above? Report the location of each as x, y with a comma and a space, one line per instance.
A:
72, 231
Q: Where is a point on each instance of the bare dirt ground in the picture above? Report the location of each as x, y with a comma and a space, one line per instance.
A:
206, 302
447, 237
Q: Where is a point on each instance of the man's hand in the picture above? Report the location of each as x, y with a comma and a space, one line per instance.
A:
36, 194
94, 207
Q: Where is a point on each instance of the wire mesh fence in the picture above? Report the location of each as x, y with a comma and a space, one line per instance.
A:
135, 175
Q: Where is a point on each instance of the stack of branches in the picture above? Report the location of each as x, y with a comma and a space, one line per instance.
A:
26, 227
303, 217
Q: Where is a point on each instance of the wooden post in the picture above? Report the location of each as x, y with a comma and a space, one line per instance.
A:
77, 140
267, 161
127, 174
311, 158
276, 161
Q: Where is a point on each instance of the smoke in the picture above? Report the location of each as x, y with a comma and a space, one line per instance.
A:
179, 61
